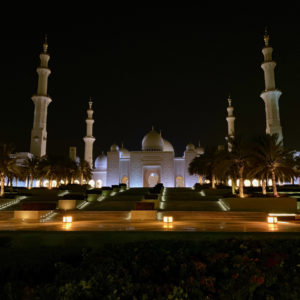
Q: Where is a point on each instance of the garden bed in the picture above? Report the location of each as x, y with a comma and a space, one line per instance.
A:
244, 267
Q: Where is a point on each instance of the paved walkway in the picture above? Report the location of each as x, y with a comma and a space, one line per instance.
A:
183, 222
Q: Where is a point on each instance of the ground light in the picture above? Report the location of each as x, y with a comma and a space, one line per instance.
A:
67, 219
168, 222
67, 222
272, 220
168, 219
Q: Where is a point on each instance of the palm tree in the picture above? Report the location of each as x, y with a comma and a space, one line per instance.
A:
7, 164
84, 171
207, 164
236, 162
32, 166
272, 160
49, 168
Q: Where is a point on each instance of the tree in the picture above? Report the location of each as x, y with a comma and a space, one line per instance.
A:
207, 164
270, 159
7, 164
84, 171
236, 162
49, 168
32, 168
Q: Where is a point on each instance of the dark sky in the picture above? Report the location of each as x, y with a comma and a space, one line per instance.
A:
171, 67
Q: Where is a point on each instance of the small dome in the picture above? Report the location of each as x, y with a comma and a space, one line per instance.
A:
168, 146
190, 147
114, 148
101, 162
200, 150
152, 141
124, 153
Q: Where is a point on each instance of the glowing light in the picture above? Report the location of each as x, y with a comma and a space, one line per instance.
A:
76, 181
67, 226
67, 219
168, 225
272, 220
229, 182
281, 215
99, 183
247, 182
273, 227
92, 183
255, 182
46, 183
168, 219
270, 182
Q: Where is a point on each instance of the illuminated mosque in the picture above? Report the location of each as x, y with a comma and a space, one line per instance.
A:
156, 161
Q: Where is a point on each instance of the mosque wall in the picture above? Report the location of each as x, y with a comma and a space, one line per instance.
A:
179, 164
113, 168
124, 168
100, 178
160, 162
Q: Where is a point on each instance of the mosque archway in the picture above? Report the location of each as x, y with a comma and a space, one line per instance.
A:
125, 180
151, 176
99, 183
92, 183
179, 181
153, 179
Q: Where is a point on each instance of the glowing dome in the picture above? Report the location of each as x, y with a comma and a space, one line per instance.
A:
168, 146
101, 162
190, 147
124, 153
200, 150
114, 148
152, 141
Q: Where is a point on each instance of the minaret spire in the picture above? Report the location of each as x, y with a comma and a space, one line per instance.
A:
266, 37
230, 120
270, 95
89, 139
45, 45
41, 101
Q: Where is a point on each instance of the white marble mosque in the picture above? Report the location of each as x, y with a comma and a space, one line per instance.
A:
155, 162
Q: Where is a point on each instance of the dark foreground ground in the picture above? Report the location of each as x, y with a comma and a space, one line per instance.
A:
149, 265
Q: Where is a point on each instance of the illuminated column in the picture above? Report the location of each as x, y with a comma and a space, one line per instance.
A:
230, 120
41, 101
89, 139
270, 95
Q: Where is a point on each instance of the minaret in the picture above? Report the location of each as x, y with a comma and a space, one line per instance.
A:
270, 95
89, 139
230, 120
41, 101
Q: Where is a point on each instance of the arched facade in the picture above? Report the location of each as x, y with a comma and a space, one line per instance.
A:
155, 163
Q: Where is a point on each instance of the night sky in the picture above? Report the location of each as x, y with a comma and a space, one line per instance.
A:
170, 67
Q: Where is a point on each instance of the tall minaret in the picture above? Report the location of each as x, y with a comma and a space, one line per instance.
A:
89, 139
270, 95
41, 101
230, 120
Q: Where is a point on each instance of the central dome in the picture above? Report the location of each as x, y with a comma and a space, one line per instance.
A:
152, 141
101, 162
